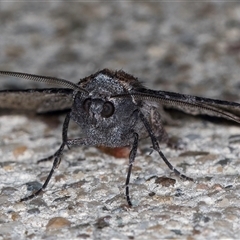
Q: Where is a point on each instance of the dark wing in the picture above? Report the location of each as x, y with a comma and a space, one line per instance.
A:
190, 104
37, 100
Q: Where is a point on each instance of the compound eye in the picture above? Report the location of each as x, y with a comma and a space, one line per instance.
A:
87, 104
108, 110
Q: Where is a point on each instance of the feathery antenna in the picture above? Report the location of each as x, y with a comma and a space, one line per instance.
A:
47, 79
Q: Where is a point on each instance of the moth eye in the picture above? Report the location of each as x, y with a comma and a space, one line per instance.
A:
108, 110
86, 104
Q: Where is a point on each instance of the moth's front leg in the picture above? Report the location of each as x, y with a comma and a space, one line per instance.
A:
57, 155
57, 159
157, 148
132, 156
64, 140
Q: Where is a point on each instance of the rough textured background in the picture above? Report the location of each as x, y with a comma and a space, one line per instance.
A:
186, 47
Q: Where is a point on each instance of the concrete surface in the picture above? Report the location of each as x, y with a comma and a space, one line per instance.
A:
178, 46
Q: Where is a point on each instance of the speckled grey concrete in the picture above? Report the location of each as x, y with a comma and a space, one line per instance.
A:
184, 47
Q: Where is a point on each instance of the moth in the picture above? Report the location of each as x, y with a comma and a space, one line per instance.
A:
113, 109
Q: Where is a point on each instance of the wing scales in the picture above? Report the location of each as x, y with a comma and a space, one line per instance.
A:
37, 100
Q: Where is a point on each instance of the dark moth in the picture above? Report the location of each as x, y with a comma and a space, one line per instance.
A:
112, 109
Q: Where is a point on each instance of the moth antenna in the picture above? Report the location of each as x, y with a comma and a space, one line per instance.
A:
47, 79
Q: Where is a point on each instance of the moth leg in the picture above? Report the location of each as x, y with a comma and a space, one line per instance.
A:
57, 159
157, 148
132, 156
56, 163
64, 139
46, 159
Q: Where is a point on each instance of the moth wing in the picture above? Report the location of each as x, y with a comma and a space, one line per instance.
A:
191, 104
37, 100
